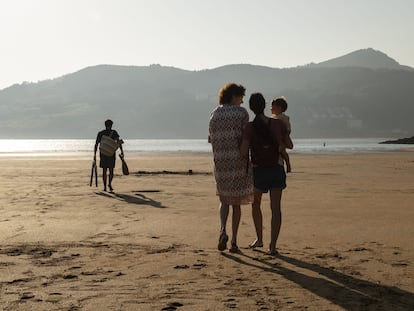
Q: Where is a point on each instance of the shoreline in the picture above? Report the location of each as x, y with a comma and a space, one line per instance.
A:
49, 148
53, 154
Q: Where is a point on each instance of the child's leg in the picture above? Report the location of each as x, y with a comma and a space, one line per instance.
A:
286, 158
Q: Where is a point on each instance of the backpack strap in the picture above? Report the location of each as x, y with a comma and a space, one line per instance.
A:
269, 123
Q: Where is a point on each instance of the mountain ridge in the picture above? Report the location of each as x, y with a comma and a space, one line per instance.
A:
366, 58
167, 102
383, 61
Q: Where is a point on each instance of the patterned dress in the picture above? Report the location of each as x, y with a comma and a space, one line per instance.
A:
232, 172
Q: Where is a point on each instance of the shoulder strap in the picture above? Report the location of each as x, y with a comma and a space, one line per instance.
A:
269, 121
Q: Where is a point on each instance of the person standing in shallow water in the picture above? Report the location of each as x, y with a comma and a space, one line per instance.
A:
107, 162
233, 175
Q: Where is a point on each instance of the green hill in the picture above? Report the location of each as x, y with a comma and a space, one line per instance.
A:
325, 100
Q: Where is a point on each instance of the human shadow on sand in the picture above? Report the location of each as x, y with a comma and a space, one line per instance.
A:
343, 290
137, 198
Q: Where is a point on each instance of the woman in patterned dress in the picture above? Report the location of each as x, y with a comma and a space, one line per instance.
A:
232, 172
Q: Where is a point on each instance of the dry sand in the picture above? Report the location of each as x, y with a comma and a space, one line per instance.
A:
346, 241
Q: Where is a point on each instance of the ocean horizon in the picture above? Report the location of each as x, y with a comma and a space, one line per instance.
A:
16, 147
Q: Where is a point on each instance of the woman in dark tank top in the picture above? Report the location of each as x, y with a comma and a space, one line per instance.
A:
262, 137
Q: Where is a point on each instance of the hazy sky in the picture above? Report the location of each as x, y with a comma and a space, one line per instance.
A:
43, 39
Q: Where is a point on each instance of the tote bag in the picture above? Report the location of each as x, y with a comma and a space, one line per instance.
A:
108, 146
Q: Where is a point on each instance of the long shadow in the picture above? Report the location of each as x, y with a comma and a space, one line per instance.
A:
343, 290
393, 297
133, 199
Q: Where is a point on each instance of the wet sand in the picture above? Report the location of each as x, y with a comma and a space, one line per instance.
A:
346, 241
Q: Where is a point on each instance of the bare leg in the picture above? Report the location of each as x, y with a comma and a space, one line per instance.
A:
223, 238
235, 223
224, 214
257, 220
104, 177
276, 222
111, 176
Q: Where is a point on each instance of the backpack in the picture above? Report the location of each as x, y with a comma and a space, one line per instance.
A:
264, 150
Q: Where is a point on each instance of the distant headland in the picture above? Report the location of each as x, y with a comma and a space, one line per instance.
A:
408, 141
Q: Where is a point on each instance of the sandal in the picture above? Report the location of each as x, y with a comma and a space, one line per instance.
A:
222, 244
256, 244
234, 248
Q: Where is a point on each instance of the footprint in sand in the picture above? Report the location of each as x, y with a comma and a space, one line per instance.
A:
230, 303
199, 266
70, 277
200, 252
26, 296
359, 249
399, 264
173, 306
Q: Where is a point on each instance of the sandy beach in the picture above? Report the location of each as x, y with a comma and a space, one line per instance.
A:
346, 241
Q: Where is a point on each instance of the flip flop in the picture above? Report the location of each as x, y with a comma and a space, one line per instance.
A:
255, 244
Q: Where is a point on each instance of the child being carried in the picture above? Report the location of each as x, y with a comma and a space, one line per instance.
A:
278, 107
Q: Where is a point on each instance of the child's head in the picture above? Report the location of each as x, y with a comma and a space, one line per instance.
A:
279, 104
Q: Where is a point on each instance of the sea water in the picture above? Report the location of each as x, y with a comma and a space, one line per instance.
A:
10, 147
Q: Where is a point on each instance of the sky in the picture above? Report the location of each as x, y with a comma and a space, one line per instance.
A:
45, 39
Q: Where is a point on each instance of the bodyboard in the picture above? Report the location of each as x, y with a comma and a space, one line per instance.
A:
96, 174
94, 171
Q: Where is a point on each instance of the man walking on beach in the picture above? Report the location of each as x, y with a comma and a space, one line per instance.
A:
108, 141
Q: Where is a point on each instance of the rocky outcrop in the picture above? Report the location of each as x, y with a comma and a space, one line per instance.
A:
408, 141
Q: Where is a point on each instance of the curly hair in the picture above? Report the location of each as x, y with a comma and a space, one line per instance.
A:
227, 92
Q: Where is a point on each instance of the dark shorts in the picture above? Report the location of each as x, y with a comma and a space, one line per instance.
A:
269, 178
107, 162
